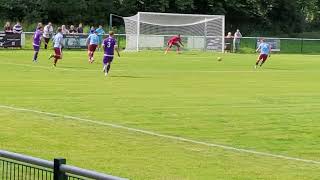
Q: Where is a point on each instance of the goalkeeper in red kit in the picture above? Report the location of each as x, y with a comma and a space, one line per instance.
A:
174, 41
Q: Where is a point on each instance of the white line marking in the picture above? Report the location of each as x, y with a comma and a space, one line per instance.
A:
58, 68
165, 136
178, 71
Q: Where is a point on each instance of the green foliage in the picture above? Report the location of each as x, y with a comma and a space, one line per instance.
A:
251, 16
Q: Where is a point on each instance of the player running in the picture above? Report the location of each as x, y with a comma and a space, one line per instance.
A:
36, 42
109, 45
58, 43
265, 50
174, 41
92, 43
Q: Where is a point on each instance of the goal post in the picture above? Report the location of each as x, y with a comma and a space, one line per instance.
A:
148, 30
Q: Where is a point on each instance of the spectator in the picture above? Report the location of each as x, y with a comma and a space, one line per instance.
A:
64, 30
229, 35
91, 30
228, 42
80, 29
7, 27
17, 28
39, 25
47, 34
72, 30
236, 40
101, 33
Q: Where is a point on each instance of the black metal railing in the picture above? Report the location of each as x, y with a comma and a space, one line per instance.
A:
12, 170
15, 166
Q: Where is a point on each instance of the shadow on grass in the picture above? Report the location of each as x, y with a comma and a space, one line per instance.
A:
278, 69
75, 68
127, 76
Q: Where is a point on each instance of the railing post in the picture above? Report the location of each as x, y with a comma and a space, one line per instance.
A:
57, 173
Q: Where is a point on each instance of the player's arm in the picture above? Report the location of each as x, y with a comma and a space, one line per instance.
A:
87, 41
181, 43
61, 42
258, 49
270, 50
117, 50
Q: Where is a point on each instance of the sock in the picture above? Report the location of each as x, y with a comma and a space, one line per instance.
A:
257, 63
108, 68
35, 57
55, 61
262, 62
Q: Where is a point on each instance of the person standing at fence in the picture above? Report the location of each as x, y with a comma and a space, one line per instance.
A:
228, 42
47, 34
17, 28
101, 33
109, 45
92, 43
80, 29
91, 30
265, 50
7, 28
64, 29
236, 41
58, 43
72, 30
36, 43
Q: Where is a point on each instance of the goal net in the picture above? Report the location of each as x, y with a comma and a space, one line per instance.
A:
147, 30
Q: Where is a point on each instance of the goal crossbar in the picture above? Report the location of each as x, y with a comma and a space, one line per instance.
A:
177, 25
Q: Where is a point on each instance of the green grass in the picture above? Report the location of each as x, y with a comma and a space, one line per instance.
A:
274, 109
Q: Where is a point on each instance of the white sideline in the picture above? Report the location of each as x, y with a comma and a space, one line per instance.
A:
49, 67
119, 70
230, 148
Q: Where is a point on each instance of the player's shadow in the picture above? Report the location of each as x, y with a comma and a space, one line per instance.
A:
74, 68
127, 76
278, 69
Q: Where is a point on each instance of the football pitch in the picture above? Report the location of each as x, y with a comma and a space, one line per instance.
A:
162, 117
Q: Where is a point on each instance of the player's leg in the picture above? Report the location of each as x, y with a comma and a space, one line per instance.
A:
89, 53
105, 63
178, 48
94, 47
108, 65
57, 56
264, 59
36, 52
35, 56
258, 60
169, 47
46, 41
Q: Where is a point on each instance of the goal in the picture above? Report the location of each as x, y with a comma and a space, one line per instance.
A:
147, 30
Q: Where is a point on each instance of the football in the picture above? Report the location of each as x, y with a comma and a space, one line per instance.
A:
219, 58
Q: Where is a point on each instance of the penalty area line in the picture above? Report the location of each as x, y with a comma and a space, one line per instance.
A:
54, 68
155, 134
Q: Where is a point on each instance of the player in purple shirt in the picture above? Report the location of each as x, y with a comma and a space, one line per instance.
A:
109, 45
36, 42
